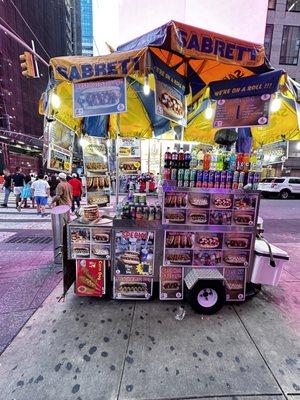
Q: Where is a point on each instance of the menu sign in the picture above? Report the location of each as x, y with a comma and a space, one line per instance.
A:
134, 253
59, 159
95, 162
129, 147
171, 283
99, 97
90, 277
235, 283
132, 287
242, 112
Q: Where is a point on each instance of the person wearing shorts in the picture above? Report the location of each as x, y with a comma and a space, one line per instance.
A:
41, 190
18, 184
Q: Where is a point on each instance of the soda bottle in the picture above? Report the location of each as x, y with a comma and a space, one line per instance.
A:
181, 158
213, 162
232, 162
205, 179
241, 180
193, 176
187, 159
186, 181
199, 178
256, 179
220, 161
174, 173
217, 179
246, 162
240, 162
253, 162
211, 179
167, 158
250, 179
235, 181
226, 161
174, 161
180, 177
206, 161
229, 178
167, 174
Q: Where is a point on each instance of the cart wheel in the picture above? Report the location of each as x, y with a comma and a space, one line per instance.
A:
207, 297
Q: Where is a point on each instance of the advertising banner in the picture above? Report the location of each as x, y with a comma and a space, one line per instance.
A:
99, 97
235, 283
133, 287
242, 112
90, 277
59, 134
129, 147
95, 161
274, 152
170, 283
134, 253
170, 103
59, 159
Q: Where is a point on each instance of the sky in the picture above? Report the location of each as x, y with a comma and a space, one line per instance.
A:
117, 21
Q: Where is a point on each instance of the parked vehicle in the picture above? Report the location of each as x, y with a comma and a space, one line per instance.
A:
283, 187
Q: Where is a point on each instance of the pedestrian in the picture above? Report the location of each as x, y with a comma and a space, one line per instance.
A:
41, 190
26, 192
63, 194
76, 190
7, 186
18, 184
53, 182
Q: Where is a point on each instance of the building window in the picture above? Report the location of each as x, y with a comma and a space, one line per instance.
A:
293, 5
272, 5
290, 45
268, 40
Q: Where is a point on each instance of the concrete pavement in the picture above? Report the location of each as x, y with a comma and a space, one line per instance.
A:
106, 350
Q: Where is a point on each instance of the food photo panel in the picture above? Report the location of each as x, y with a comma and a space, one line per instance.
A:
236, 258
197, 217
80, 251
198, 200
80, 235
217, 217
245, 202
179, 240
171, 283
207, 258
100, 235
132, 287
208, 240
176, 200
235, 283
222, 201
243, 218
175, 216
237, 241
178, 257
100, 251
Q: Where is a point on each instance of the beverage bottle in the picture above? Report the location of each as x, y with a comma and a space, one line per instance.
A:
241, 180
174, 174
167, 174
174, 160
199, 178
213, 162
240, 162
260, 158
217, 179
167, 158
186, 181
246, 162
180, 177
220, 161
206, 161
181, 158
229, 178
232, 162
253, 162
152, 184
223, 179
205, 179
250, 178
193, 176
235, 181
226, 161
187, 159
256, 179
211, 179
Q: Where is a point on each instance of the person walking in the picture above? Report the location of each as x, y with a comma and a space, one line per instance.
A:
40, 190
63, 194
53, 182
76, 190
26, 192
18, 184
7, 186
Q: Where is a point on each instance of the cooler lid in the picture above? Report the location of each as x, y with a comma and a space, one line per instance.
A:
261, 249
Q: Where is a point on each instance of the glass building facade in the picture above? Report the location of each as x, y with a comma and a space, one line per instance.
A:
86, 15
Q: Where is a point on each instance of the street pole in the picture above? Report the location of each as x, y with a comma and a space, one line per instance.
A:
22, 43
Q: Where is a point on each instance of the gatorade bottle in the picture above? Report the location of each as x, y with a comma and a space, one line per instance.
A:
206, 161
253, 162
246, 162
240, 162
232, 162
214, 159
220, 161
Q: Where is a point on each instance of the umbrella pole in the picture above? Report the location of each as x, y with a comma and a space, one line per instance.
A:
117, 161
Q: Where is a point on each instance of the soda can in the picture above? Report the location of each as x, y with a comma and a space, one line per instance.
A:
174, 174
186, 181
250, 179
193, 176
211, 179
235, 181
205, 179
199, 178
241, 180
145, 212
217, 179
229, 178
180, 177
223, 179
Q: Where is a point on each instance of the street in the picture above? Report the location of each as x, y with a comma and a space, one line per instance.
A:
85, 348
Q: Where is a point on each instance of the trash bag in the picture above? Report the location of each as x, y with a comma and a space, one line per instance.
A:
225, 137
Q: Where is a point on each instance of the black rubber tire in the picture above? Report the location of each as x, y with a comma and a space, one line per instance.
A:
284, 194
192, 296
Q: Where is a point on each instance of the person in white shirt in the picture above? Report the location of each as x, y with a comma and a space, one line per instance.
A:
41, 190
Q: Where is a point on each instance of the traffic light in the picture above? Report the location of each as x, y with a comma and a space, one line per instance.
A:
28, 65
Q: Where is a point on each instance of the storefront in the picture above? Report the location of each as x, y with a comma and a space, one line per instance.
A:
170, 203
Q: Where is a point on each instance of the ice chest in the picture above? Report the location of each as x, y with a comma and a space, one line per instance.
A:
263, 272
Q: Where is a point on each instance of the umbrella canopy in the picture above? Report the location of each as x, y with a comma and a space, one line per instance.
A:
190, 57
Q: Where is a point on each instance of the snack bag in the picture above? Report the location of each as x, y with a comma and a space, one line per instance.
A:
90, 275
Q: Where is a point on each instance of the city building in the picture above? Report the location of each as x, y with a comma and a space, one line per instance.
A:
86, 18
50, 26
282, 37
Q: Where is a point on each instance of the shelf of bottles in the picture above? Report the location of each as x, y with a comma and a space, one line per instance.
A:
217, 169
